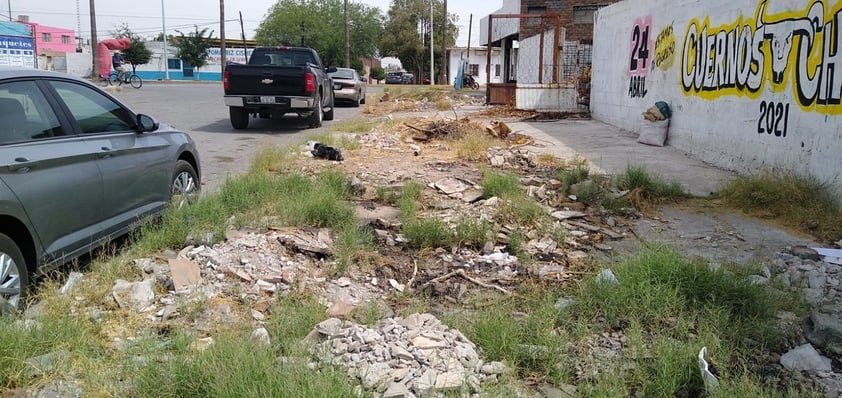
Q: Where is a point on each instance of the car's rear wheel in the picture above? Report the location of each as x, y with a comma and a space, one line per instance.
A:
317, 115
357, 100
185, 184
14, 278
362, 101
239, 117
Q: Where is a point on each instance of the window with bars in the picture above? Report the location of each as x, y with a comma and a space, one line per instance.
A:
473, 69
65, 39
497, 70
46, 37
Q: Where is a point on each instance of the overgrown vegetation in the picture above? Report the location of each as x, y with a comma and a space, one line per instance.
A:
276, 370
635, 187
798, 202
665, 306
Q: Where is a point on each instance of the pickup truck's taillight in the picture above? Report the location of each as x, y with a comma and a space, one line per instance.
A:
309, 83
225, 82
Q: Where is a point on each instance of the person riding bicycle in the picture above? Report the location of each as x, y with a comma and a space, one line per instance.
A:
117, 62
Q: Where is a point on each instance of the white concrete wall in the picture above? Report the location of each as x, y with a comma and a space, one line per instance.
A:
753, 84
79, 64
479, 57
546, 97
502, 27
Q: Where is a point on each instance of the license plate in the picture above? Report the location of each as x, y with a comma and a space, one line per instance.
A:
269, 100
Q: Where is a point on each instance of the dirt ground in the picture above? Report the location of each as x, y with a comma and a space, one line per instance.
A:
700, 228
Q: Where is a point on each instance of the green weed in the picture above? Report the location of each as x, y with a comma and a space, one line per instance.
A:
500, 184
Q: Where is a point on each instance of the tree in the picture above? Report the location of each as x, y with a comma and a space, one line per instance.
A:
193, 47
407, 34
377, 73
137, 54
320, 24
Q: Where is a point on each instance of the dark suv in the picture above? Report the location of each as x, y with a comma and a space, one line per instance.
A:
77, 168
394, 78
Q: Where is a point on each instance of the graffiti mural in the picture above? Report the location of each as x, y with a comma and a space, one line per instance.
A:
797, 51
664, 49
639, 56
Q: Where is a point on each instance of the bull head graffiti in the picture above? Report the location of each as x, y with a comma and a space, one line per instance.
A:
780, 34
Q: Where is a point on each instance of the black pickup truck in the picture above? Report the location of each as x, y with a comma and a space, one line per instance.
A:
277, 81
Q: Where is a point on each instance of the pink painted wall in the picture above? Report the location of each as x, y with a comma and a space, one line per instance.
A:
56, 43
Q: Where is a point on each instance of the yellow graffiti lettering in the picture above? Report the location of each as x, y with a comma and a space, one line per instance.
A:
665, 49
719, 61
796, 50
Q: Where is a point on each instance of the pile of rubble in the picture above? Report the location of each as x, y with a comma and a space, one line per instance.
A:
818, 345
404, 357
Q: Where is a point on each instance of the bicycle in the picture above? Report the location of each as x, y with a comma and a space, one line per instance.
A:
130, 78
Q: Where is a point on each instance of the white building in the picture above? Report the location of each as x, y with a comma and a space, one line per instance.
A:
476, 62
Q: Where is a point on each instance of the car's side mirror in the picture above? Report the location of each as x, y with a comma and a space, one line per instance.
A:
331, 69
147, 123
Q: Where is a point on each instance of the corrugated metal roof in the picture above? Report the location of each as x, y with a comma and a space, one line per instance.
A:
8, 28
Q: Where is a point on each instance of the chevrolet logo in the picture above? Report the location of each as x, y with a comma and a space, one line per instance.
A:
267, 81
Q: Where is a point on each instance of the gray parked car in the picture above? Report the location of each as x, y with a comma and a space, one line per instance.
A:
77, 168
347, 86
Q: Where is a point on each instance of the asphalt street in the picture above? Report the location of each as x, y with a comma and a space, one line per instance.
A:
198, 109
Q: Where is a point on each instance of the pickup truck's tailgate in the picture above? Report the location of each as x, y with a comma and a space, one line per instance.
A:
265, 80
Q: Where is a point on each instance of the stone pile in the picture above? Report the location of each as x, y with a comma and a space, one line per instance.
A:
404, 357
819, 345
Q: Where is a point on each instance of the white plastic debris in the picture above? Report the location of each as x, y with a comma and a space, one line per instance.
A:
397, 285
711, 382
606, 275
833, 256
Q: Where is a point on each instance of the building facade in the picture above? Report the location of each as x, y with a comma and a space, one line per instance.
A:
476, 61
17, 48
52, 39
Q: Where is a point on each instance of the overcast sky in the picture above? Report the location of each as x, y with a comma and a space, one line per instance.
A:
144, 17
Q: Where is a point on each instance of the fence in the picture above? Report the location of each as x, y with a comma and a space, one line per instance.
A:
541, 55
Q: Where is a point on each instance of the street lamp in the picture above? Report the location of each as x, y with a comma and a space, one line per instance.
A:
166, 56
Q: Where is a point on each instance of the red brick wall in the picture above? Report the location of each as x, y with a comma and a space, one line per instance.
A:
582, 32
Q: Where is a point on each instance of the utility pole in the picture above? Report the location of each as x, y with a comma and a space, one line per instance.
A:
166, 56
443, 70
222, 35
243, 36
347, 38
432, 78
95, 69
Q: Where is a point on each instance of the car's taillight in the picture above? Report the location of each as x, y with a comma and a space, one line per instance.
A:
225, 82
309, 83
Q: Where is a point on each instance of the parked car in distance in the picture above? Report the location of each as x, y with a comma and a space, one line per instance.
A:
407, 78
347, 86
77, 169
394, 78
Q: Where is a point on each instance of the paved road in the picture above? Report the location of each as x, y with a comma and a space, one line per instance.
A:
198, 109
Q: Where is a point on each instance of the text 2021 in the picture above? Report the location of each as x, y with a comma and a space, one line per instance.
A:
774, 118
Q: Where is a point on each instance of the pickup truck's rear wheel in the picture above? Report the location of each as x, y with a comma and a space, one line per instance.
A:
239, 117
329, 114
317, 115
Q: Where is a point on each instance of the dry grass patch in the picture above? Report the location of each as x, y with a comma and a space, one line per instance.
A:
797, 202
